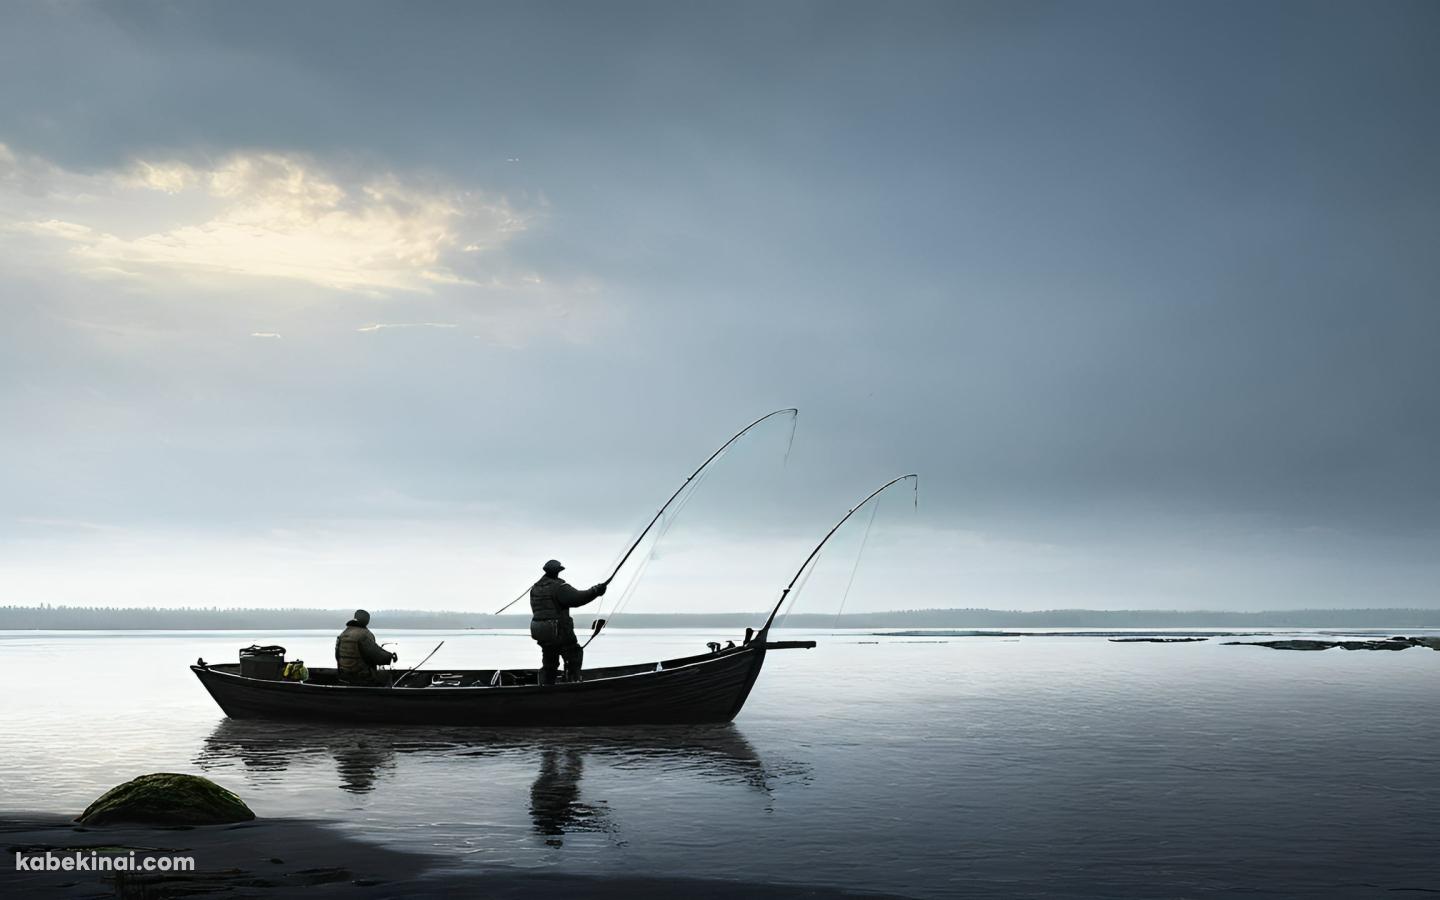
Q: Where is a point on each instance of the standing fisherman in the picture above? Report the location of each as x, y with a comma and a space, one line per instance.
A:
357, 654
551, 600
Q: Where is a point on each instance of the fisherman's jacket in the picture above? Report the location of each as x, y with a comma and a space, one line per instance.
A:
552, 599
356, 651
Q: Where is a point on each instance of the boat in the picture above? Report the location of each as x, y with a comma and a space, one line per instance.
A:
703, 689
707, 688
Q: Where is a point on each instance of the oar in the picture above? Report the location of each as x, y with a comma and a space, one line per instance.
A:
417, 665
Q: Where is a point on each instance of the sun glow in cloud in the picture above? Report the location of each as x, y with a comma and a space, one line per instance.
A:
263, 215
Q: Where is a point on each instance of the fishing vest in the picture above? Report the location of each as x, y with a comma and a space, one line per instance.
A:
544, 600
347, 649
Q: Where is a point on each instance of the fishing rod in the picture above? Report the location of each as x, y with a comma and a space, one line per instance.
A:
523, 595
723, 447
417, 665
816, 552
599, 624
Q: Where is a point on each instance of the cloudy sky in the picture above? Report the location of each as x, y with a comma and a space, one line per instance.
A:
384, 303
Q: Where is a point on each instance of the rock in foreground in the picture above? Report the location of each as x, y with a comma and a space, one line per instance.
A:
165, 798
1395, 643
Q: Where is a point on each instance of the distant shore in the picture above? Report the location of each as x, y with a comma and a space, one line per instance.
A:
100, 618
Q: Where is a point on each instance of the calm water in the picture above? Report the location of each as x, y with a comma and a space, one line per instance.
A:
1029, 767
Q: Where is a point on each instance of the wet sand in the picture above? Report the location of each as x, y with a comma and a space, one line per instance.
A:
305, 858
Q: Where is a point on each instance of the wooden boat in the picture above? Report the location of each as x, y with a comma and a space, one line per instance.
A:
707, 688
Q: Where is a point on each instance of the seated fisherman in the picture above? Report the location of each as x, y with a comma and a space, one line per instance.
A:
357, 654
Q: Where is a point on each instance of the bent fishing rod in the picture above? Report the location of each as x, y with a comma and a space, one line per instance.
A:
816, 552
693, 475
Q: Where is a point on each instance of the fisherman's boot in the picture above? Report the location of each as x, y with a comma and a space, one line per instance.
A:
549, 663
574, 659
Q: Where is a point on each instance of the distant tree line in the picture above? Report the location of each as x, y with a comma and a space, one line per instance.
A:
213, 618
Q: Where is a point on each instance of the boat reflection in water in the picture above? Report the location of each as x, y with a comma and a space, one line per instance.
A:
360, 757
717, 754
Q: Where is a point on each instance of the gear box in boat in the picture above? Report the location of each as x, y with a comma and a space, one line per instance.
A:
262, 662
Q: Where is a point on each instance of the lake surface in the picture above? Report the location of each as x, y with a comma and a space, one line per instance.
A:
1034, 766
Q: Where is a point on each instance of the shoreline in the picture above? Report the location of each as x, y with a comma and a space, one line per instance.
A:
289, 857
255, 619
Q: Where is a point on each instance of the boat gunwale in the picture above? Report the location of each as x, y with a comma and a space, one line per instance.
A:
695, 661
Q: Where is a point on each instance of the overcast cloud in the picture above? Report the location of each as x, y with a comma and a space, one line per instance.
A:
312, 304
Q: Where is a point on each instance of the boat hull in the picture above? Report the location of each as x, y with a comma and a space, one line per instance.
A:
690, 691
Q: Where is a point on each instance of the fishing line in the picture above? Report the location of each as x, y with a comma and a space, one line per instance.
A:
861, 552
794, 415
875, 508
769, 620
799, 587
666, 523
666, 518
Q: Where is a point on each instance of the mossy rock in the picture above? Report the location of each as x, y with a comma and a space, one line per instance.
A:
166, 798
